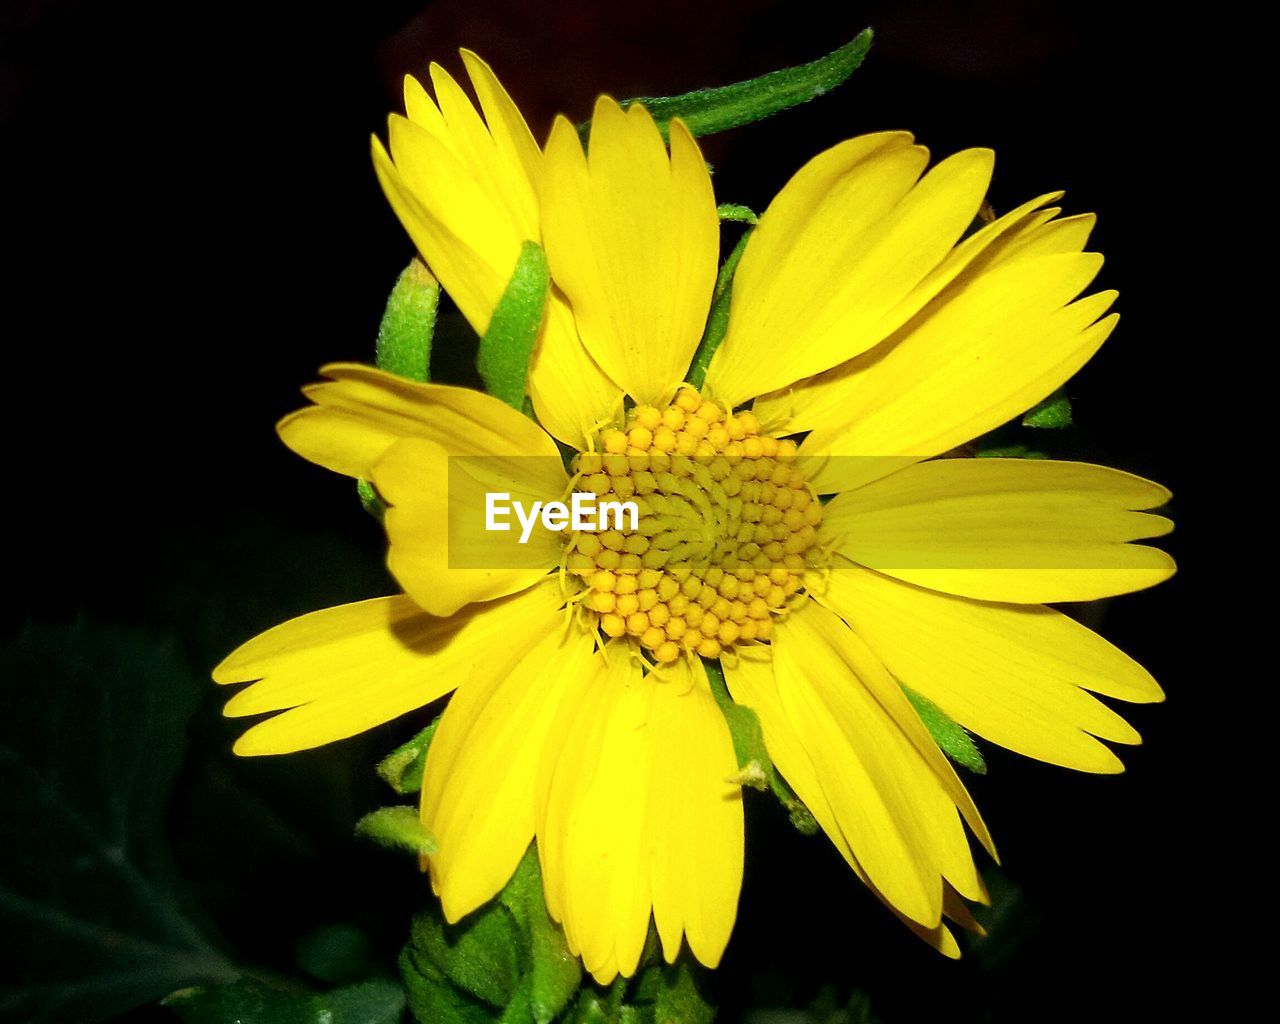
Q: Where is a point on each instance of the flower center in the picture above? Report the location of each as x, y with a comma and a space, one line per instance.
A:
725, 529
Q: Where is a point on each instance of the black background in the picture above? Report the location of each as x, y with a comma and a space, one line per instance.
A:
195, 227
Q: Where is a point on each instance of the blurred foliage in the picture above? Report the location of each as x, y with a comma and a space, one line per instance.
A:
252, 1002
94, 741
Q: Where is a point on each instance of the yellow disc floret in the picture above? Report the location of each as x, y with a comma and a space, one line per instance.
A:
725, 527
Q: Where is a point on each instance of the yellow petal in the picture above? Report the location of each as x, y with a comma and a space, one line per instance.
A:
637, 813
442, 551
499, 172
572, 396
884, 778
696, 825
751, 681
361, 412
340, 671
827, 278
1026, 531
463, 236
466, 191
632, 239
816, 401
994, 342
1017, 675
591, 821
511, 136
481, 773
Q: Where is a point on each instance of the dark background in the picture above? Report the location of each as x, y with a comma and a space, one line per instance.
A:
194, 227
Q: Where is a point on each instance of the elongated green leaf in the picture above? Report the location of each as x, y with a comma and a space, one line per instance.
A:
408, 323
397, 827
718, 318
955, 742
753, 758
507, 346
707, 111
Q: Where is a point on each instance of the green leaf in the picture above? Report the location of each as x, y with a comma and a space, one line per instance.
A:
248, 1001
680, 999
399, 828
432, 998
955, 742
754, 760
408, 323
481, 955
1053, 413
94, 734
507, 345
591, 1008
554, 974
707, 111
508, 956
402, 768
520, 1009
718, 318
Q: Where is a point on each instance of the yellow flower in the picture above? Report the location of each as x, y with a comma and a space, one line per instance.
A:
863, 319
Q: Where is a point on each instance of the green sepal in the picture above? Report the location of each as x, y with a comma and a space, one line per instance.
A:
373, 504
757, 769
1053, 413
507, 345
404, 344
718, 318
399, 828
249, 1001
408, 323
402, 768
707, 111
954, 740
738, 213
